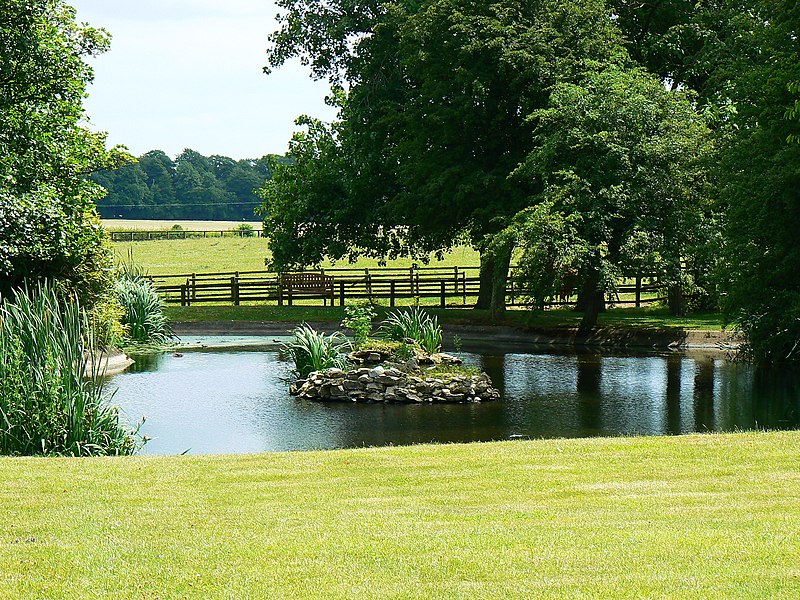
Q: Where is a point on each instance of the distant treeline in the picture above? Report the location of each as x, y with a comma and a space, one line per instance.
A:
192, 186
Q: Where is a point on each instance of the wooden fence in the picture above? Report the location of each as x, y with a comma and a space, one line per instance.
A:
453, 285
135, 235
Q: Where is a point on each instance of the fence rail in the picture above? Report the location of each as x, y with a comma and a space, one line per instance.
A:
137, 235
456, 285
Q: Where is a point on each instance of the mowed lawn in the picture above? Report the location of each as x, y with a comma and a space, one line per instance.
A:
229, 254
702, 516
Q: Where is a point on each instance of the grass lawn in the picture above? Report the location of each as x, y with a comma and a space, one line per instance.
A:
633, 318
702, 516
214, 255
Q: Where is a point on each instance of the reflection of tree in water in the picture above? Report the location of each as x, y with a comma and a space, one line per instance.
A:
673, 395
589, 378
776, 397
704, 375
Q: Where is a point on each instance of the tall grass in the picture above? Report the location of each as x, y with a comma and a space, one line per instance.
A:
52, 395
144, 320
314, 351
416, 324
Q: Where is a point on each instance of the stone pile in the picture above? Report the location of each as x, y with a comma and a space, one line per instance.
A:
379, 384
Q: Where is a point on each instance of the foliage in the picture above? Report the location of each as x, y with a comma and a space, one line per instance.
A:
143, 319
621, 162
314, 351
358, 317
245, 230
48, 224
52, 396
433, 122
192, 186
415, 324
760, 183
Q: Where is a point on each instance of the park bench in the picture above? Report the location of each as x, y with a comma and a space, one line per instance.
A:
305, 285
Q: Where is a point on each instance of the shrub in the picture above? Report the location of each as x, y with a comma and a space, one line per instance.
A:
245, 230
414, 323
358, 317
52, 397
314, 351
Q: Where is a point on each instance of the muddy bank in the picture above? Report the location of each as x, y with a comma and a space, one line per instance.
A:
603, 337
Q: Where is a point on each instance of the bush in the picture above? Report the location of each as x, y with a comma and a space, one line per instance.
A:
314, 351
414, 323
52, 397
358, 317
245, 230
144, 320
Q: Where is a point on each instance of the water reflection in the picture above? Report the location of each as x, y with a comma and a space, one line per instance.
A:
212, 402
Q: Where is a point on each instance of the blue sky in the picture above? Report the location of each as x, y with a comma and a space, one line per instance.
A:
187, 74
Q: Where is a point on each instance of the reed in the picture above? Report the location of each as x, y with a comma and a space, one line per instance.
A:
415, 324
52, 389
314, 351
143, 320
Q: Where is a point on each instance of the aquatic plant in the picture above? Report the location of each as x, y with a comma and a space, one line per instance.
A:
52, 390
415, 324
314, 351
144, 320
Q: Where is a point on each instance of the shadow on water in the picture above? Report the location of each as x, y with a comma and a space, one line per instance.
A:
237, 401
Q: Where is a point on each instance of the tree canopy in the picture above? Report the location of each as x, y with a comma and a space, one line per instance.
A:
192, 186
48, 225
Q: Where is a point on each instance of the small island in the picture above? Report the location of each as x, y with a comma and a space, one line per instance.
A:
405, 365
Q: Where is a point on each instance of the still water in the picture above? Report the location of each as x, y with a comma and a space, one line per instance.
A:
237, 401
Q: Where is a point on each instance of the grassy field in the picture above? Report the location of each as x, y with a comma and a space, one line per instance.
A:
155, 225
633, 318
213, 255
709, 516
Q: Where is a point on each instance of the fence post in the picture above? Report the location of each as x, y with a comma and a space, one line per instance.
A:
443, 291
464, 287
280, 290
391, 294
235, 290
341, 293
638, 291
188, 294
193, 293
455, 280
183, 295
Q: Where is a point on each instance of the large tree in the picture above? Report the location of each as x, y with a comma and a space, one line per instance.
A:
622, 164
48, 224
432, 123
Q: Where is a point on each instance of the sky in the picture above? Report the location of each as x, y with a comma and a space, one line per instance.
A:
188, 74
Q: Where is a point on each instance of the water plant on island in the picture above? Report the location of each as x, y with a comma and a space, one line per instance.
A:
314, 351
414, 324
53, 399
358, 317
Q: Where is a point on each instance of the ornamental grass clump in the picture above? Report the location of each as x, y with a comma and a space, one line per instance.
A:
416, 324
52, 394
143, 320
314, 351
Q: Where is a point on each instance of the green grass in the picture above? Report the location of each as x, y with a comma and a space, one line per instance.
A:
631, 318
688, 517
214, 255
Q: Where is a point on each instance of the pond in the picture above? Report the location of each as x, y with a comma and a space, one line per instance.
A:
235, 400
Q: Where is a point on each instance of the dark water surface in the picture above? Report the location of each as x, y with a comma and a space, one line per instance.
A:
237, 401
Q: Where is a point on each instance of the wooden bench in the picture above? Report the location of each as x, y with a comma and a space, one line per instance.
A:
306, 285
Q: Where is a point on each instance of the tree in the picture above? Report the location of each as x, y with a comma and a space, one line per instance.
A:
48, 224
761, 187
620, 160
433, 122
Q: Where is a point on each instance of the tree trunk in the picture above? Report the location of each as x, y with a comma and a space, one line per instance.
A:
502, 262
675, 300
593, 300
486, 277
